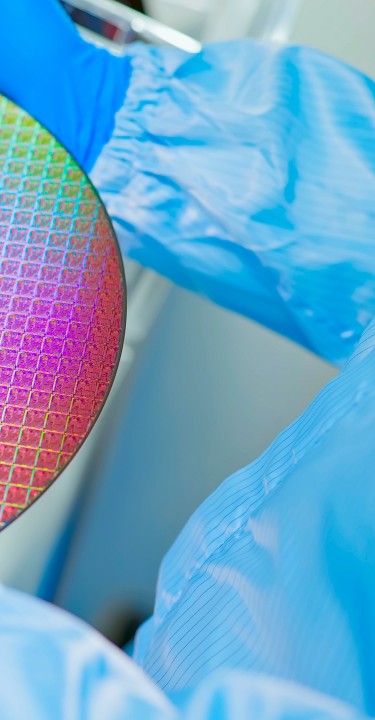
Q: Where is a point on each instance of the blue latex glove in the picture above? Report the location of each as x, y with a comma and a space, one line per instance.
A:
70, 86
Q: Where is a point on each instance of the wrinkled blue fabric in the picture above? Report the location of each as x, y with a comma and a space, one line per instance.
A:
54, 667
247, 173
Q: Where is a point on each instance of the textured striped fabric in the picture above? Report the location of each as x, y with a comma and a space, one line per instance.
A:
54, 666
275, 572
247, 173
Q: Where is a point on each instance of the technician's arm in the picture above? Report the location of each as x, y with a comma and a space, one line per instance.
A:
247, 173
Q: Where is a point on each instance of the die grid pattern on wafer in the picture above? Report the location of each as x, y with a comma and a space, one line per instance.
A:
62, 309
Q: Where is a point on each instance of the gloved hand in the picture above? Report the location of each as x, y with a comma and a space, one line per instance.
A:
245, 172
70, 86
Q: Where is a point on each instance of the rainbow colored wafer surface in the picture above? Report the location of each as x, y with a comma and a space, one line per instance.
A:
62, 315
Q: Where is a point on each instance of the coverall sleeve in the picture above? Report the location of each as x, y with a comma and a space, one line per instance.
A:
247, 173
